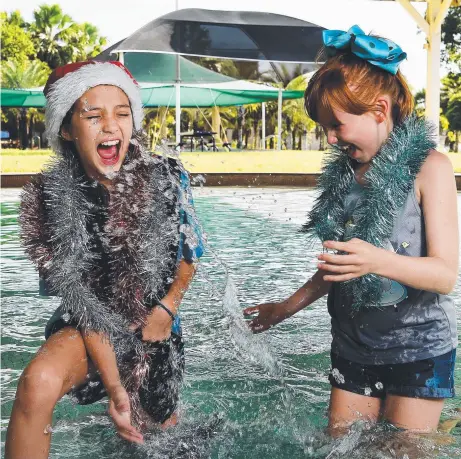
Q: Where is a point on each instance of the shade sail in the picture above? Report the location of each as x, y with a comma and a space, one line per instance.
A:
161, 68
164, 96
228, 34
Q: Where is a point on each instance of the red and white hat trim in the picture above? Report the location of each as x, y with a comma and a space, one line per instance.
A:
63, 91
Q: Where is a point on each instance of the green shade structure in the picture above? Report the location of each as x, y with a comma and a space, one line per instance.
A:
165, 96
25, 98
162, 68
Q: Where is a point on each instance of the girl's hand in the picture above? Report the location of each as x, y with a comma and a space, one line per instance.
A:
360, 258
269, 314
119, 410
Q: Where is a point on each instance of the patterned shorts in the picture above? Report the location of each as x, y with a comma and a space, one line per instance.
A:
159, 393
429, 378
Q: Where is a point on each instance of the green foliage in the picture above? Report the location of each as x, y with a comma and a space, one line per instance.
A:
24, 74
52, 37
85, 42
453, 112
451, 37
59, 40
420, 102
450, 104
450, 97
50, 32
16, 43
451, 86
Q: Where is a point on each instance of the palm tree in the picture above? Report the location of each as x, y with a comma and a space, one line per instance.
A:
453, 115
26, 74
51, 33
295, 114
85, 41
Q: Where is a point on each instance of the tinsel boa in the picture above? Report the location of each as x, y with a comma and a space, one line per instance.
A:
138, 236
389, 180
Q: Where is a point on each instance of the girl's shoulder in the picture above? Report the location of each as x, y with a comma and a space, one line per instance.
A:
436, 170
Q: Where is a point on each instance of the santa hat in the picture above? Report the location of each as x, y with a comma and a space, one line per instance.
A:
68, 83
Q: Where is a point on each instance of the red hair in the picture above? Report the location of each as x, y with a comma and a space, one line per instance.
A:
350, 84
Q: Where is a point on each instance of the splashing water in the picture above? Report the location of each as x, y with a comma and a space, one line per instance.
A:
252, 347
245, 395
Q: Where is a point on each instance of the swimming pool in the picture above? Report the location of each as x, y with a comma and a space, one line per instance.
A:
245, 396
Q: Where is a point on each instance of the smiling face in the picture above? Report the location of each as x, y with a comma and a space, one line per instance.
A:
101, 127
358, 136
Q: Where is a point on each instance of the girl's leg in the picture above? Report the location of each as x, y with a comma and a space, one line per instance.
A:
348, 407
415, 414
60, 364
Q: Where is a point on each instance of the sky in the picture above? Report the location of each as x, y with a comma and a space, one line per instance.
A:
116, 20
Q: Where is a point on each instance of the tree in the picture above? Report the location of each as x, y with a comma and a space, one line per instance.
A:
294, 111
50, 33
285, 74
85, 41
59, 40
25, 74
451, 37
16, 43
449, 102
450, 96
453, 115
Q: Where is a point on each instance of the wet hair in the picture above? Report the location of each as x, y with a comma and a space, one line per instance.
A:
68, 118
348, 83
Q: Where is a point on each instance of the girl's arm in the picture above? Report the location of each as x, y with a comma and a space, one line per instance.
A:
438, 271
191, 248
102, 355
270, 314
159, 322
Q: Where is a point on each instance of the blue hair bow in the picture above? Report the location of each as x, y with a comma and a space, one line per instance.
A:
380, 52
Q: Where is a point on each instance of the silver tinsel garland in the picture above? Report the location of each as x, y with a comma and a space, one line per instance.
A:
389, 180
141, 231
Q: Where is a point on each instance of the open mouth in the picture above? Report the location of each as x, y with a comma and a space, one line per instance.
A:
109, 152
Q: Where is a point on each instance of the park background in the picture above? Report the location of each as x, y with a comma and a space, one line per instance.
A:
36, 38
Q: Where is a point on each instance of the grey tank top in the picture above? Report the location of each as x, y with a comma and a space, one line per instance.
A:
410, 324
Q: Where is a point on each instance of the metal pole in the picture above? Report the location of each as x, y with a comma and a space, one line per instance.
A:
178, 102
279, 121
178, 93
263, 127
121, 58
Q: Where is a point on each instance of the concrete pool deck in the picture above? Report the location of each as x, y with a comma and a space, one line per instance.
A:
309, 180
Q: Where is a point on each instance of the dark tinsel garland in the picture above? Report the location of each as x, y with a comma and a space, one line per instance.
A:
389, 180
141, 229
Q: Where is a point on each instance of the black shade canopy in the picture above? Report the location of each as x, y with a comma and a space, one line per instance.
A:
243, 35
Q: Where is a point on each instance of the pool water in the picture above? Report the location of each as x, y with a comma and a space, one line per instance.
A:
245, 396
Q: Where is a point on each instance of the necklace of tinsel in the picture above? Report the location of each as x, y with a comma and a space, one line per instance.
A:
388, 181
137, 236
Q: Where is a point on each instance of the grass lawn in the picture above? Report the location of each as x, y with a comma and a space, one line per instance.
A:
288, 161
